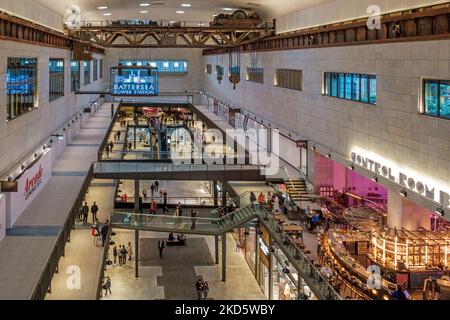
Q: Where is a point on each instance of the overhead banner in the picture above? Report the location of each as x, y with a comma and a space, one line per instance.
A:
30, 184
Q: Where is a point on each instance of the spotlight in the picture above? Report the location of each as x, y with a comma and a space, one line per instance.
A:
43, 147
329, 156
313, 148
375, 178
51, 141
22, 167
10, 178
404, 193
64, 129
440, 211
68, 125
35, 155
352, 166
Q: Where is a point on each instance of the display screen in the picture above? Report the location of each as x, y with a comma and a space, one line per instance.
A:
134, 81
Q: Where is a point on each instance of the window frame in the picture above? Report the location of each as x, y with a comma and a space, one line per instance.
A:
55, 81
34, 84
438, 83
291, 79
340, 86
87, 79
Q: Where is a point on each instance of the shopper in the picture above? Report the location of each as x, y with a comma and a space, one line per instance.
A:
205, 290
115, 253
157, 185
153, 207
111, 146
107, 150
261, 199
144, 193
107, 286
118, 134
161, 248
152, 189
94, 210
193, 219
104, 232
199, 287
85, 212
130, 251
252, 197
180, 210
119, 253
124, 253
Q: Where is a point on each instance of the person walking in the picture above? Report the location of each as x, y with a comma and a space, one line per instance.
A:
85, 212
144, 193
261, 199
156, 185
180, 210
118, 134
152, 189
115, 253
130, 251
199, 288
107, 286
111, 146
104, 232
205, 290
107, 150
119, 253
124, 254
252, 198
94, 210
193, 219
153, 207
161, 246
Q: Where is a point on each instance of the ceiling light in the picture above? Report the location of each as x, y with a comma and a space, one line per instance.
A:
228, 9
102, 7
201, 24
187, 5
180, 12
375, 179
403, 193
143, 11
352, 166
144, 4
107, 14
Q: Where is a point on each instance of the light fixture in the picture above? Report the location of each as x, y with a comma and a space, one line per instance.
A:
144, 4
313, 148
352, 166
22, 167
186, 5
227, 9
35, 155
179, 12
329, 155
404, 193
10, 178
143, 11
102, 7
107, 14
375, 178
440, 211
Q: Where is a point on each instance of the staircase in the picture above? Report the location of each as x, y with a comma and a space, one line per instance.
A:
297, 190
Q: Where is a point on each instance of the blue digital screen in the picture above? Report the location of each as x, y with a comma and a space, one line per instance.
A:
136, 81
18, 84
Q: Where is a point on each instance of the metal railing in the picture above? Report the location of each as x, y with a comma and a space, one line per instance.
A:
235, 200
103, 267
186, 201
108, 132
44, 284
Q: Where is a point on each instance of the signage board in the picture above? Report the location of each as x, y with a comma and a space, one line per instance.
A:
134, 81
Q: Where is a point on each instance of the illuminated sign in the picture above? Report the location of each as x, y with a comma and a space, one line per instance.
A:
263, 247
31, 184
134, 81
403, 177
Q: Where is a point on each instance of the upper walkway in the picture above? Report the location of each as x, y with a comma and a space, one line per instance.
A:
26, 250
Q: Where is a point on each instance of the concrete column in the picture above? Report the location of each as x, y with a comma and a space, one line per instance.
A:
136, 253
216, 194
112, 110
311, 163
270, 268
257, 253
216, 247
224, 257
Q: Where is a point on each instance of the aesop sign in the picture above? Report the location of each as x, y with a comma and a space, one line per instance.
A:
412, 183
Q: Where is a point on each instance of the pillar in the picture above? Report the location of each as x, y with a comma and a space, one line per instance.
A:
311, 162
270, 268
112, 110
136, 196
136, 253
224, 257
216, 194
257, 253
224, 193
216, 247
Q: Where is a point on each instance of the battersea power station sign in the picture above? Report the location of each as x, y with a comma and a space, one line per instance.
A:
413, 183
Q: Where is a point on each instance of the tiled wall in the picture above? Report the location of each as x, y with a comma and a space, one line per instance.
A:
21, 135
392, 129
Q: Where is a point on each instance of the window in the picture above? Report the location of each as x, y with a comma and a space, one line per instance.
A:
164, 66
351, 86
21, 76
95, 71
208, 69
101, 68
56, 79
290, 79
255, 74
436, 95
74, 76
87, 72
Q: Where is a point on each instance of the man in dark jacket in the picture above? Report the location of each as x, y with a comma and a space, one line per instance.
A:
85, 210
94, 210
104, 232
161, 247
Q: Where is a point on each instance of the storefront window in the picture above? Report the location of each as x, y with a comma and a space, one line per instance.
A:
87, 72
95, 71
250, 238
56, 79
349, 86
74, 76
21, 86
101, 69
437, 98
164, 66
